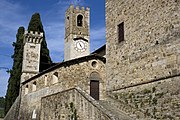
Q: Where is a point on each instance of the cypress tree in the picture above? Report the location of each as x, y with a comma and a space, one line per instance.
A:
12, 93
15, 74
35, 24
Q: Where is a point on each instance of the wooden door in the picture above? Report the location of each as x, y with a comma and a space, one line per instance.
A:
94, 89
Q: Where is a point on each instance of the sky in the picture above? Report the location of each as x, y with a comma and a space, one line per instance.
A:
16, 13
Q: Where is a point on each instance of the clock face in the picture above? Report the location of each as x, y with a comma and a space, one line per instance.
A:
80, 45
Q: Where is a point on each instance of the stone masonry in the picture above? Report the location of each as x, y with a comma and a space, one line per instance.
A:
72, 104
74, 33
69, 74
31, 54
143, 70
139, 78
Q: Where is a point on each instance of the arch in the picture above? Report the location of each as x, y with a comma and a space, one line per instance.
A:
26, 90
55, 78
34, 86
94, 85
80, 20
95, 76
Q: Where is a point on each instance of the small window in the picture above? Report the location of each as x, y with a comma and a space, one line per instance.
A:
26, 90
32, 46
94, 64
80, 20
45, 80
121, 32
34, 86
55, 78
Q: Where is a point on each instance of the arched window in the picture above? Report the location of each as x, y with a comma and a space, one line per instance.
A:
80, 20
45, 80
94, 85
55, 78
34, 86
26, 90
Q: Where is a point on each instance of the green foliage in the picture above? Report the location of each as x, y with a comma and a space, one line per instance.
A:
1, 102
1, 113
15, 73
35, 24
1, 107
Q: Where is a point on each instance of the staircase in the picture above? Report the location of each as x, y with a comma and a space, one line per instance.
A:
118, 115
121, 110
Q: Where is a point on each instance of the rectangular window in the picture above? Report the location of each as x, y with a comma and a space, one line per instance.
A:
32, 46
121, 32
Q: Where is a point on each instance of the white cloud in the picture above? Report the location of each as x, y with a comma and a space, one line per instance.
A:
55, 36
68, 2
10, 19
54, 28
98, 33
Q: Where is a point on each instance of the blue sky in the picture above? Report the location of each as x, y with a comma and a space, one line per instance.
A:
15, 13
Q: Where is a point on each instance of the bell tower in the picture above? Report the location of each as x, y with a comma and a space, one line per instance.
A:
31, 54
77, 38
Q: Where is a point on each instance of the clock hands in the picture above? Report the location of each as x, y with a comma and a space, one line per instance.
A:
80, 46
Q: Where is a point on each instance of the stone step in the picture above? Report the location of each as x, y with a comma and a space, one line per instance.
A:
118, 115
128, 109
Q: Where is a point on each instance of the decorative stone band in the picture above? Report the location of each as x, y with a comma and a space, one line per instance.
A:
33, 37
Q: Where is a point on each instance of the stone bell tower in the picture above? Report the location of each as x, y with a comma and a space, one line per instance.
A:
31, 55
77, 42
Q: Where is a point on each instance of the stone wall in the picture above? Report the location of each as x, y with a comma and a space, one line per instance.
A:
13, 111
72, 104
143, 70
71, 21
69, 75
151, 48
156, 100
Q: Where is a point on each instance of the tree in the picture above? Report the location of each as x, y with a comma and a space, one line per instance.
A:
1, 102
1, 107
12, 93
35, 24
15, 74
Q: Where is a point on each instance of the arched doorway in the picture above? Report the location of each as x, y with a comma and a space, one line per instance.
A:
94, 85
